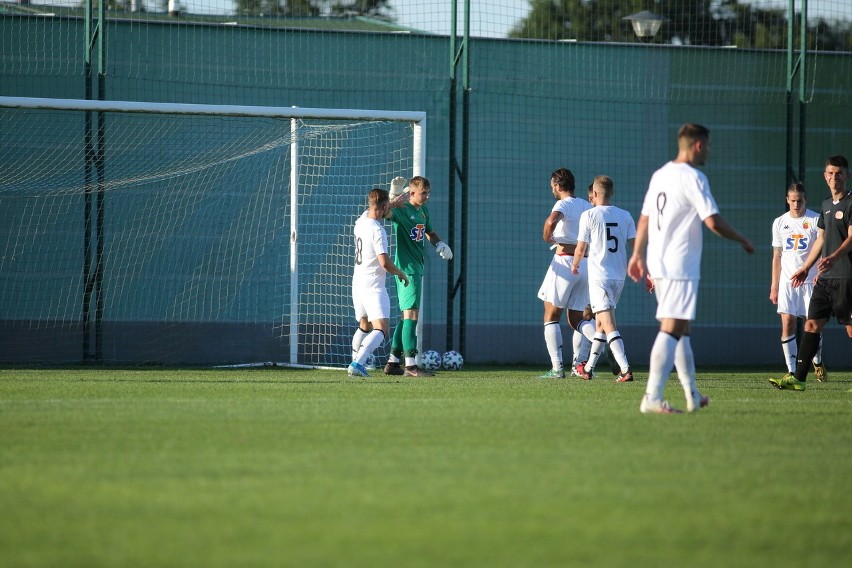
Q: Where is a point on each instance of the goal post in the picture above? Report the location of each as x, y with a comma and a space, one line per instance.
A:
134, 232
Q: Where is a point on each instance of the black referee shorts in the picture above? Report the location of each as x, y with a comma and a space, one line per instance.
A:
832, 296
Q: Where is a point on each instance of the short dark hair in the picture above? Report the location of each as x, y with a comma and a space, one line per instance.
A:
838, 161
692, 132
564, 179
377, 196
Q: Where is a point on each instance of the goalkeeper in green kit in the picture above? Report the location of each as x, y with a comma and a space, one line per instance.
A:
411, 227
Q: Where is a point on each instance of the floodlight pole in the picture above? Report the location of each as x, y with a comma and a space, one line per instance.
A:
796, 66
459, 56
94, 159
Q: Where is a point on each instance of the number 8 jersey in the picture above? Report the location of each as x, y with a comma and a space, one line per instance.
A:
371, 240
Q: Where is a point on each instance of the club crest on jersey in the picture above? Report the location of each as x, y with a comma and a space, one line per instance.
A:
418, 232
806, 225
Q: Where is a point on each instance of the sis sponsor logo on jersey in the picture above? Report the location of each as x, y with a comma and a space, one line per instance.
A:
798, 242
418, 232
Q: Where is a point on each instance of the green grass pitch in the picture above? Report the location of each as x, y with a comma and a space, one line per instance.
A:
482, 467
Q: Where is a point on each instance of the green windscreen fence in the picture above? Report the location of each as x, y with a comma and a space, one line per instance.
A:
535, 86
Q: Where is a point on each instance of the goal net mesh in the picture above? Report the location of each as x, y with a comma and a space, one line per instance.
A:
158, 237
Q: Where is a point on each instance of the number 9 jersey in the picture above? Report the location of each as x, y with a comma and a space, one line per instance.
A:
676, 204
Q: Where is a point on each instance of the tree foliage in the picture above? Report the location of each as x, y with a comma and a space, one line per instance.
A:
277, 8
376, 8
373, 8
690, 22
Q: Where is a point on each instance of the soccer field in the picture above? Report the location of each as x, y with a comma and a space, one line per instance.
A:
483, 467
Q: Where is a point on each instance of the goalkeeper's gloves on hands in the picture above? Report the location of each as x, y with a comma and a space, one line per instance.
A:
444, 250
397, 186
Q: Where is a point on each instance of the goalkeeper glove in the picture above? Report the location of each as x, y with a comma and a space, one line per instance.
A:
396, 187
444, 250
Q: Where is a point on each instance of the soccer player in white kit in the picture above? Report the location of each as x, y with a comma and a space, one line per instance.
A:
561, 289
369, 294
793, 236
668, 247
605, 232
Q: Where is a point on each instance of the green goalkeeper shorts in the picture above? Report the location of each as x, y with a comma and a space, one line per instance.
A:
409, 296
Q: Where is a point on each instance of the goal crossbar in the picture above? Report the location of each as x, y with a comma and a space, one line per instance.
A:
417, 117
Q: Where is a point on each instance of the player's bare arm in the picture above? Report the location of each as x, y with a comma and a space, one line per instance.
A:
579, 254
798, 277
636, 268
843, 250
550, 226
390, 267
719, 226
776, 275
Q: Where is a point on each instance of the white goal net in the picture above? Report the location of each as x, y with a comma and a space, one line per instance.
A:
186, 234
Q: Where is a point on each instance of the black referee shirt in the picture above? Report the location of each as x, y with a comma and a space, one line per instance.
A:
834, 219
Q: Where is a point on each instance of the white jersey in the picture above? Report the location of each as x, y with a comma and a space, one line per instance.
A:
571, 208
606, 230
371, 240
676, 204
795, 237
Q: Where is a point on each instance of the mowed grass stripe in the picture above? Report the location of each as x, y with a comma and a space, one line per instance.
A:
484, 467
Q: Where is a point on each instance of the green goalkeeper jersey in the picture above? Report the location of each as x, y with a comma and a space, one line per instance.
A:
410, 227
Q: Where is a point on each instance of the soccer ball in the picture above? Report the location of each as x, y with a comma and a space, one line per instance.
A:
372, 362
452, 361
431, 360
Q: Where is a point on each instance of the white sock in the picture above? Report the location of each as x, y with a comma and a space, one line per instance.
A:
598, 346
373, 340
357, 339
588, 329
818, 356
616, 346
582, 347
410, 361
662, 361
788, 345
685, 365
553, 340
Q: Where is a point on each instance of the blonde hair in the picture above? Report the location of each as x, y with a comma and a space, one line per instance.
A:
606, 184
419, 182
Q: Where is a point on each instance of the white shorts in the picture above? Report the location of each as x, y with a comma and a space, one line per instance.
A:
604, 294
372, 303
676, 299
562, 288
794, 301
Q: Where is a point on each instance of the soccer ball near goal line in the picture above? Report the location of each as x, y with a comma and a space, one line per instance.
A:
431, 360
452, 361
